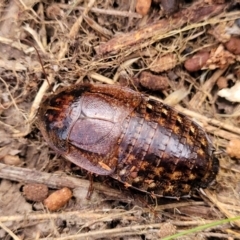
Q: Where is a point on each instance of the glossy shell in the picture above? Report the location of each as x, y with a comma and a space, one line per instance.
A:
112, 130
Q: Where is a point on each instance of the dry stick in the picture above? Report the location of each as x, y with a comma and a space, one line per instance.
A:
35, 36
221, 207
77, 24
220, 133
94, 25
132, 7
117, 232
42, 30
74, 30
195, 13
25, 175
231, 207
89, 215
84, 215
219, 235
27, 5
111, 12
200, 96
100, 78
234, 234
98, 216
53, 180
35, 105
9, 231
177, 205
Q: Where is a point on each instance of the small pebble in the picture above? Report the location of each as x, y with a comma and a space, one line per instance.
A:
197, 61
233, 148
143, 6
233, 45
35, 192
153, 82
58, 199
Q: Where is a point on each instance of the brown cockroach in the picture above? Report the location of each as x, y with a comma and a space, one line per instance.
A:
115, 131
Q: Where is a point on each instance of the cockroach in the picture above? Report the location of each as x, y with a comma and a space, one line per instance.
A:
115, 131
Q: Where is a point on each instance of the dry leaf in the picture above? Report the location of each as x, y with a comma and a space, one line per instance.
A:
219, 58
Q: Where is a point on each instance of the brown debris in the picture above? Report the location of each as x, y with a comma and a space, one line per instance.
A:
170, 6
143, 6
233, 45
219, 58
54, 11
219, 31
35, 192
195, 13
166, 229
12, 160
197, 61
58, 199
222, 82
233, 148
163, 63
153, 82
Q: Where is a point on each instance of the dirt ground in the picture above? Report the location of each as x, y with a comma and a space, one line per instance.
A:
185, 53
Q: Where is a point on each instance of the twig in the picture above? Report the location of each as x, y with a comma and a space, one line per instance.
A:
216, 131
221, 207
116, 232
113, 12
200, 96
74, 30
15, 131
195, 13
35, 36
53, 180
105, 32
133, 230
9, 231
100, 78
219, 235
84, 215
208, 120
35, 106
